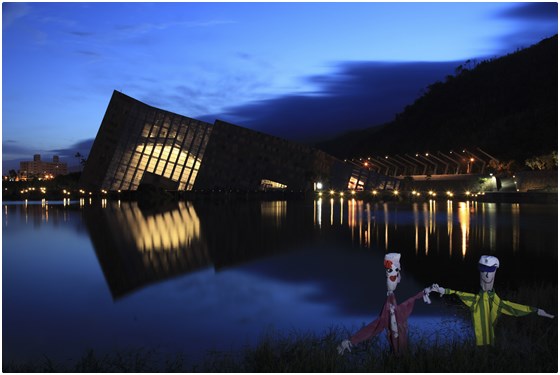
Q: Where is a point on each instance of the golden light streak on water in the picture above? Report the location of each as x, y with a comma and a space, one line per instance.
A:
464, 222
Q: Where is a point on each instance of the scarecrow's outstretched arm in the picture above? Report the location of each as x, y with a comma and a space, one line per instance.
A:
405, 308
541, 312
372, 329
467, 298
426, 295
369, 331
516, 309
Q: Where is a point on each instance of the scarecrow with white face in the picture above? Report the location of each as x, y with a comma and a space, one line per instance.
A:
486, 306
393, 317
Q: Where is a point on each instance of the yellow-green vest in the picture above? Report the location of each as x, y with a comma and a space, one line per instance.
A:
486, 307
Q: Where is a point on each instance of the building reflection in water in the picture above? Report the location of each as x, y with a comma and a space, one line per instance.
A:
352, 217
168, 231
317, 211
427, 226
450, 225
416, 215
275, 211
515, 225
491, 215
386, 221
137, 246
427, 221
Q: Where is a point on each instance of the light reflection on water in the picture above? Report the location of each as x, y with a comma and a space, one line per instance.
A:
214, 272
367, 219
274, 211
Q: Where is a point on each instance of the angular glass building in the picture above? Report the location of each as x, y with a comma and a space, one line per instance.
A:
140, 144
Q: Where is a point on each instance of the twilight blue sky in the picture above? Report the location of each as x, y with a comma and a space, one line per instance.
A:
303, 71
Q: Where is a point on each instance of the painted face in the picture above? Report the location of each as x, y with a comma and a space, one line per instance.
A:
393, 271
487, 276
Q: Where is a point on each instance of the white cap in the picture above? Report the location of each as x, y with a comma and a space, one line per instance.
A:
392, 258
489, 261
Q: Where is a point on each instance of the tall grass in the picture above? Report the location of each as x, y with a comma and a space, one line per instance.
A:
527, 344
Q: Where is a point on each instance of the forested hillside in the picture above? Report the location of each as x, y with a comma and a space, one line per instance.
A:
507, 106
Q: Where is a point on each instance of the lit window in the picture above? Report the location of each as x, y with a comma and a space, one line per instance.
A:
352, 183
268, 184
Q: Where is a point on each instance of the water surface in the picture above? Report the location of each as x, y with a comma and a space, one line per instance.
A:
218, 275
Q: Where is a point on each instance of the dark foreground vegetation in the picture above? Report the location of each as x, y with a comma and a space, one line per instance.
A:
528, 344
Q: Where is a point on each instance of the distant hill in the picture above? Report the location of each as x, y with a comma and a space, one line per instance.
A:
507, 106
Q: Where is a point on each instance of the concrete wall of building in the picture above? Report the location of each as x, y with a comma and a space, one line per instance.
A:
240, 158
109, 135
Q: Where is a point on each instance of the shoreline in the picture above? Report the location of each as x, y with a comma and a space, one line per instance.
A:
404, 197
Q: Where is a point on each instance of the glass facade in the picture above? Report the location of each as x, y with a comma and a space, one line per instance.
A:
364, 179
267, 184
138, 144
154, 142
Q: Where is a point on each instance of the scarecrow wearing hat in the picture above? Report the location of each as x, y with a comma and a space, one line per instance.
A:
393, 317
486, 306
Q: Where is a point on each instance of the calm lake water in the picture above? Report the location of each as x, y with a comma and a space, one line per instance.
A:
219, 275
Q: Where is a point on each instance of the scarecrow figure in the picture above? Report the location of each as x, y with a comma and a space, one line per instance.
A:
486, 306
393, 317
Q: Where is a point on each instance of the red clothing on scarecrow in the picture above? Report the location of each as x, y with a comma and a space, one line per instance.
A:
393, 317
398, 337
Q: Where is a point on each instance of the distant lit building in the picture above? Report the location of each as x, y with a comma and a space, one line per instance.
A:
42, 169
139, 144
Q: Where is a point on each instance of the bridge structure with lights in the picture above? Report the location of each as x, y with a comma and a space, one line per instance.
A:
464, 170
453, 162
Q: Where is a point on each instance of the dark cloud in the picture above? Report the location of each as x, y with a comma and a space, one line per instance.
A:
88, 53
244, 56
81, 33
535, 21
13, 147
83, 147
532, 12
358, 95
18, 153
366, 94
12, 154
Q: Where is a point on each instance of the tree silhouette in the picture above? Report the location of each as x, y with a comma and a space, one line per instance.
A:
507, 106
82, 159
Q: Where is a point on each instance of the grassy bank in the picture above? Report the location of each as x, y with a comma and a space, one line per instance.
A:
526, 344
309, 353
